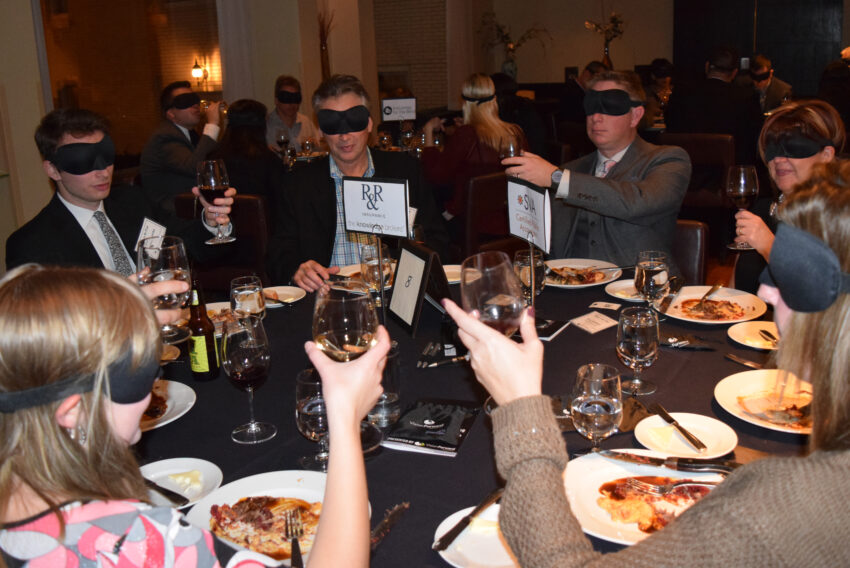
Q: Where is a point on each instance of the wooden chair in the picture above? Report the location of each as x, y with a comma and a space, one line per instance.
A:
689, 244
486, 211
248, 253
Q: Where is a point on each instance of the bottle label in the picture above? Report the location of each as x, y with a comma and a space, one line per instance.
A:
198, 354
194, 301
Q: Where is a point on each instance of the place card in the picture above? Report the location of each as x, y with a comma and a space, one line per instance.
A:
376, 206
529, 213
593, 322
150, 228
606, 305
398, 108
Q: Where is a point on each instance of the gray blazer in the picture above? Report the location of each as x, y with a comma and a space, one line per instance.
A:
634, 208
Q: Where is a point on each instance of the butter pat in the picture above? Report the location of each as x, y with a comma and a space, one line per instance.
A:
483, 526
662, 436
188, 480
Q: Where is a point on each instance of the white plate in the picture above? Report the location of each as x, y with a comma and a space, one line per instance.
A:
654, 433
752, 304
353, 271
306, 485
287, 294
217, 307
624, 290
610, 275
158, 472
480, 544
586, 474
452, 273
749, 383
180, 399
747, 333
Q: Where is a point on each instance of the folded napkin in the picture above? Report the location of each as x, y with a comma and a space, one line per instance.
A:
432, 427
633, 412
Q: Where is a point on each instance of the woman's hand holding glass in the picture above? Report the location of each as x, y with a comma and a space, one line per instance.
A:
750, 229
490, 287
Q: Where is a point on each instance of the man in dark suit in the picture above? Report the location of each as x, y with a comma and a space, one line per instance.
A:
717, 105
621, 199
87, 222
173, 151
772, 91
310, 241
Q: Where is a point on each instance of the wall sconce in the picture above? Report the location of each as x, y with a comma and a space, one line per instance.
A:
199, 73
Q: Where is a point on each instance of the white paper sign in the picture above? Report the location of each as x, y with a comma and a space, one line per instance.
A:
529, 213
398, 109
377, 206
593, 322
411, 270
150, 228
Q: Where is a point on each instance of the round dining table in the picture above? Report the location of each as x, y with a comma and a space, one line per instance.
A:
437, 486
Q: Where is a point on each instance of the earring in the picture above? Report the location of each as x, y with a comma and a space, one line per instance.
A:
78, 434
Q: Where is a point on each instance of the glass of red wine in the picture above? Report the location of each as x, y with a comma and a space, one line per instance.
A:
245, 358
489, 286
742, 187
213, 182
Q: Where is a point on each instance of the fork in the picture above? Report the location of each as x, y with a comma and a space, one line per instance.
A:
663, 489
293, 529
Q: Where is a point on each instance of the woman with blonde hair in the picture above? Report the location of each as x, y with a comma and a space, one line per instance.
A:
79, 352
475, 147
777, 511
796, 137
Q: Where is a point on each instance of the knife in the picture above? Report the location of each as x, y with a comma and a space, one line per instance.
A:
442, 362
295, 559
693, 440
676, 284
723, 467
444, 541
173, 496
744, 362
382, 529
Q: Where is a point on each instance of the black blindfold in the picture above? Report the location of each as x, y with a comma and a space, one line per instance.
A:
805, 270
82, 158
614, 102
479, 100
760, 76
794, 144
185, 100
354, 119
288, 97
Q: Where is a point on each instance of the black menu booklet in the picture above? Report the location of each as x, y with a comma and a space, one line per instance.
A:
432, 427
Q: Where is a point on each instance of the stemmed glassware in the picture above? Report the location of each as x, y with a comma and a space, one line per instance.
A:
742, 187
246, 296
385, 141
282, 139
523, 268
307, 147
651, 275
344, 321
489, 286
637, 346
508, 148
371, 265
597, 402
245, 358
164, 258
311, 418
213, 182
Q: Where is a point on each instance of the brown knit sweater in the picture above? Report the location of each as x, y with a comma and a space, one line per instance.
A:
773, 512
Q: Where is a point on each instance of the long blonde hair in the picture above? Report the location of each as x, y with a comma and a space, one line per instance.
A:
484, 116
817, 345
56, 323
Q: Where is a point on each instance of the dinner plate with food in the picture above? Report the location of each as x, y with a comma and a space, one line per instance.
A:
169, 401
255, 507
624, 290
592, 480
219, 312
726, 305
278, 296
655, 434
580, 272
353, 272
750, 334
754, 397
192, 478
480, 545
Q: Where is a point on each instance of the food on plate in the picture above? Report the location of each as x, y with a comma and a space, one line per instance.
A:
793, 412
271, 294
188, 481
626, 504
712, 309
159, 401
258, 524
218, 317
567, 275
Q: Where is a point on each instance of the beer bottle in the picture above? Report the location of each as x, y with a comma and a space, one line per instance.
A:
203, 347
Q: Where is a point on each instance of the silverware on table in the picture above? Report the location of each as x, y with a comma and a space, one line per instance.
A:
444, 541
176, 498
692, 440
382, 529
744, 362
425, 352
663, 488
774, 341
711, 291
694, 465
676, 284
293, 528
449, 361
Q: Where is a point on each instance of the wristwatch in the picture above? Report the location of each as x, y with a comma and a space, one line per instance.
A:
556, 178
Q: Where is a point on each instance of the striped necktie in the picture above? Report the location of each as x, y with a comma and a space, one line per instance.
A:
116, 249
606, 167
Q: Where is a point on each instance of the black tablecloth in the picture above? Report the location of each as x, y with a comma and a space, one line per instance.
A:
437, 486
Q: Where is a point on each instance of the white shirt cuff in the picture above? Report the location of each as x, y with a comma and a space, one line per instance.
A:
226, 229
212, 130
564, 187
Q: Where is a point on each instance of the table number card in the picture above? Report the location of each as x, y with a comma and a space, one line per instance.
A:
419, 274
593, 322
398, 108
529, 213
376, 206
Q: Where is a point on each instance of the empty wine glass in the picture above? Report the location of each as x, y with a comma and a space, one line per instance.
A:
651, 275
344, 321
522, 267
597, 402
311, 418
246, 296
213, 182
164, 258
245, 358
742, 187
637, 346
489, 286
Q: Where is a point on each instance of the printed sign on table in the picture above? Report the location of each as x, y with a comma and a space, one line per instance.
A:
376, 206
398, 109
529, 213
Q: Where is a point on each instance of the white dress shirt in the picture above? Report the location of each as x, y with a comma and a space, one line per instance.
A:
564, 187
85, 217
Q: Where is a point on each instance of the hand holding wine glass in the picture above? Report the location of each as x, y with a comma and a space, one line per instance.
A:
161, 259
637, 346
345, 322
597, 402
742, 187
212, 184
489, 286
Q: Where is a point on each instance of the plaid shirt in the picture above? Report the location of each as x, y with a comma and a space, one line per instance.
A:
347, 243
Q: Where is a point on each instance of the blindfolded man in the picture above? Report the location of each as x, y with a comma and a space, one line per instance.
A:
285, 120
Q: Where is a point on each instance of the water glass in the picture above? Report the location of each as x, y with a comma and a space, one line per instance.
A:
489, 286
164, 258
311, 418
597, 402
651, 274
522, 267
387, 410
637, 346
370, 266
246, 296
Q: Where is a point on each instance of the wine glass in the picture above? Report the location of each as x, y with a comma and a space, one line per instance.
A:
407, 139
245, 358
742, 187
370, 270
597, 402
282, 139
651, 275
522, 267
291, 157
489, 286
637, 346
385, 141
508, 148
344, 321
213, 182
164, 258
311, 418
246, 296
307, 147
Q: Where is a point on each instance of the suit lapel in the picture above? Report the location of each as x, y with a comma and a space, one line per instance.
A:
75, 242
